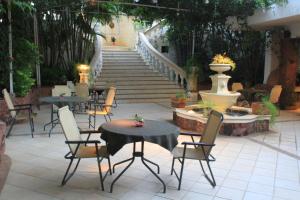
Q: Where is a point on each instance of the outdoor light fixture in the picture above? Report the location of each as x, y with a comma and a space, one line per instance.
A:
83, 70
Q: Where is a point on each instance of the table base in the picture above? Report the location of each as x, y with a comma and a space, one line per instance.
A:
144, 160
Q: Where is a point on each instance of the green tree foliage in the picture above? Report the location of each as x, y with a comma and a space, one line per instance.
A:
66, 37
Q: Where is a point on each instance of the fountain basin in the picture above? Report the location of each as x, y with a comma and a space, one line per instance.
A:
221, 101
188, 119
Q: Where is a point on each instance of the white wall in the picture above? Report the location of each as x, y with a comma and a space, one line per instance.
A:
276, 16
124, 32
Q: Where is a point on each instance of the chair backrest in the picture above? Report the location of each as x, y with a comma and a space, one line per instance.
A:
275, 93
71, 86
109, 99
69, 127
237, 86
61, 90
82, 90
211, 130
9, 102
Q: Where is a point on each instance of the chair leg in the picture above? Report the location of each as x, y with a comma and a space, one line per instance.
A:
11, 126
109, 117
181, 173
31, 124
172, 168
89, 121
109, 165
66, 177
212, 180
105, 118
100, 173
95, 122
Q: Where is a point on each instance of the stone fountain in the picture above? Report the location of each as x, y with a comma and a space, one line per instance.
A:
189, 119
219, 94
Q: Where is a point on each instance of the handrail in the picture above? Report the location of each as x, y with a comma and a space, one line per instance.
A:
161, 63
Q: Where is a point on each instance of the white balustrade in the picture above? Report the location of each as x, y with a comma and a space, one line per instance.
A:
159, 62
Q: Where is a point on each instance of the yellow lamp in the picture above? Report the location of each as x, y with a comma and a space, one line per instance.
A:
83, 73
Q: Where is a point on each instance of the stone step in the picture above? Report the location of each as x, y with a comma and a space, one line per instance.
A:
132, 83
147, 91
116, 48
139, 87
128, 75
159, 78
121, 56
167, 101
143, 96
125, 67
118, 59
120, 52
122, 70
124, 63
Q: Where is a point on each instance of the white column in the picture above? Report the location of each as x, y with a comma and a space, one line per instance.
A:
268, 62
11, 81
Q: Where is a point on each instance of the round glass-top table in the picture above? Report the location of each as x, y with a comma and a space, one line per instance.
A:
60, 101
117, 133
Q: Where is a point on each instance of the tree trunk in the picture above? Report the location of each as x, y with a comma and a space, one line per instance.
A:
288, 71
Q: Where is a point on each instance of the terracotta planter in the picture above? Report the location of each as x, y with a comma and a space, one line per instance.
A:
258, 108
178, 103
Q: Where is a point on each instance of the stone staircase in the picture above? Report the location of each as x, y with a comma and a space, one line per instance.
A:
135, 81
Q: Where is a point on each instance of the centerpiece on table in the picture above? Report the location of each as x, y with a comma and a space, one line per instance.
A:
222, 63
139, 120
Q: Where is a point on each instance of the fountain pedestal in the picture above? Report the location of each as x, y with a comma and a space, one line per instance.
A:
219, 94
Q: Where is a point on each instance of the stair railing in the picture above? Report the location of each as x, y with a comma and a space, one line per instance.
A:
97, 60
158, 62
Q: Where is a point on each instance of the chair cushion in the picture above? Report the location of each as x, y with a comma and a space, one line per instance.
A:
90, 152
190, 153
24, 116
98, 112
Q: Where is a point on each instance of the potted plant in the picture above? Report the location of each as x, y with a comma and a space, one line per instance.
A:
179, 101
113, 40
265, 107
222, 63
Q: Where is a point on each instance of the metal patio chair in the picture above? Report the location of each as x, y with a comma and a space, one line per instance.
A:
201, 150
80, 148
102, 109
16, 115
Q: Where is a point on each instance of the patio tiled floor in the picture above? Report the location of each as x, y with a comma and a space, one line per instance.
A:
259, 166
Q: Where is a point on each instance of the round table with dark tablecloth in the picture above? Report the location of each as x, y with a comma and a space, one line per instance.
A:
117, 133
120, 132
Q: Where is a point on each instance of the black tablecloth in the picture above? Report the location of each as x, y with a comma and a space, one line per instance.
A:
120, 132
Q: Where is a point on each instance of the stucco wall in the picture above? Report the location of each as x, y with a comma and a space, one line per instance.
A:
123, 31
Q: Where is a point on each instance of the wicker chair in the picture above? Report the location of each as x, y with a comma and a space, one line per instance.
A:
80, 148
201, 150
102, 109
237, 86
275, 94
16, 115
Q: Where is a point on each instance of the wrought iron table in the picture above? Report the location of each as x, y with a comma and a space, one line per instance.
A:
60, 101
117, 133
